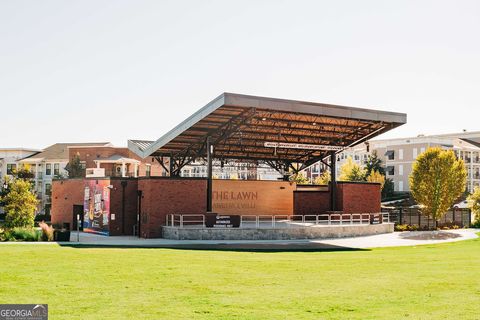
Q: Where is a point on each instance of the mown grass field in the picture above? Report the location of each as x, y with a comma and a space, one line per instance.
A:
423, 282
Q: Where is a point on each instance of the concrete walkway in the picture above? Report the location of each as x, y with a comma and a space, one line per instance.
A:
381, 240
397, 239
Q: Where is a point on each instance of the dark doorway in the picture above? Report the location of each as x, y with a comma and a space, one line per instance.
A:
77, 210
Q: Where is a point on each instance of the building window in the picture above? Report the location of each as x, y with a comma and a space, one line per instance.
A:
48, 189
148, 170
422, 150
400, 186
400, 169
400, 154
390, 155
83, 164
390, 170
56, 169
415, 153
11, 167
48, 169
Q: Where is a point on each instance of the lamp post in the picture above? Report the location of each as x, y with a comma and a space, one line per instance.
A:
78, 228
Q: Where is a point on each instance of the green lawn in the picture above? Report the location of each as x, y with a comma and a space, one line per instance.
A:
424, 282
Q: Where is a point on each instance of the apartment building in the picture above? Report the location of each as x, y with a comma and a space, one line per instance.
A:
9, 158
398, 156
110, 161
47, 165
8, 161
358, 154
235, 170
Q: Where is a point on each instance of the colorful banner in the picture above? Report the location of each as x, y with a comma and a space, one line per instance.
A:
96, 207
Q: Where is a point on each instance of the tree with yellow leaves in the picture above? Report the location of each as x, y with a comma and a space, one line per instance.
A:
438, 179
351, 171
376, 177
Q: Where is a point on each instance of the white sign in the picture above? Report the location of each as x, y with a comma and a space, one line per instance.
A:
302, 146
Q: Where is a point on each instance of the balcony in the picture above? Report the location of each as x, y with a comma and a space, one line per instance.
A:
113, 173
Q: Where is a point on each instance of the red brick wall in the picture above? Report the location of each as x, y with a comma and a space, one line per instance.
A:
131, 202
351, 198
65, 194
311, 202
359, 197
161, 197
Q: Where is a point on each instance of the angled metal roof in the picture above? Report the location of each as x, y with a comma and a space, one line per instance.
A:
240, 125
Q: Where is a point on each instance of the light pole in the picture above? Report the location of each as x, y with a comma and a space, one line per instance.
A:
78, 228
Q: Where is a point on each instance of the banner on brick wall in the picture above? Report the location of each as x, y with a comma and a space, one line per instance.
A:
96, 206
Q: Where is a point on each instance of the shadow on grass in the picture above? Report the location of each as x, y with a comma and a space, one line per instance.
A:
234, 247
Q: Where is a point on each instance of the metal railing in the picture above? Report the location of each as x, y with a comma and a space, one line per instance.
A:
277, 221
413, 216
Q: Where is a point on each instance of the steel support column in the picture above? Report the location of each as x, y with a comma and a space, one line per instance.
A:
333, 181
209, 174
171, 166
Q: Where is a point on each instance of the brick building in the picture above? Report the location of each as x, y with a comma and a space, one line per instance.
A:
115, 162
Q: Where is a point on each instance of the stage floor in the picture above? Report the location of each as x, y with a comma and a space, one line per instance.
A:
288, 231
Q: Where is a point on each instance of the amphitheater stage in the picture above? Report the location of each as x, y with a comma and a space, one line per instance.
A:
297, 232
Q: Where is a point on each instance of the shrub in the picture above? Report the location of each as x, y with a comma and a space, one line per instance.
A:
5, 235
412, 227
401, 227
25, 234
406, 227
47, 232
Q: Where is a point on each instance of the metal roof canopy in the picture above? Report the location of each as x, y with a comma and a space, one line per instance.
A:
240, 125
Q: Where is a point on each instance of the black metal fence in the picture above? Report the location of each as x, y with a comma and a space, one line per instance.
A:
413, 216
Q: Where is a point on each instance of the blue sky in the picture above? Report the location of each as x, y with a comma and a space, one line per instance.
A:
76, 71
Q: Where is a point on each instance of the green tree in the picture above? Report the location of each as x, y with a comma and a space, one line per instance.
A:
388, 188
474, 204
20, 204
373, 163
323, 179
438, 178
75, 168
351, 171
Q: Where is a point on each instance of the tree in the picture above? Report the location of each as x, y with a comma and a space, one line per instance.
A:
438, 178
376, 177
323, 179
23, 173
388, 188
299, 178
351, 171
75, 168
373, 163
20, 204
474, 204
